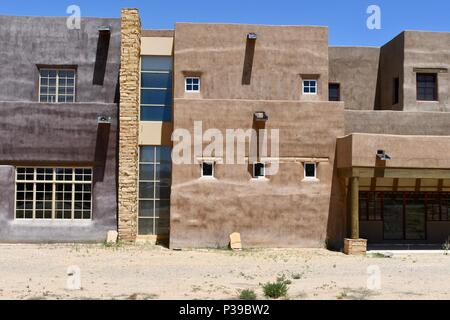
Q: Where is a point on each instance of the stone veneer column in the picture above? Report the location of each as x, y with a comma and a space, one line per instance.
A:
129, 123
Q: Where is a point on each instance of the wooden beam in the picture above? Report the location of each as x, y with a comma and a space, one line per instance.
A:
381, 172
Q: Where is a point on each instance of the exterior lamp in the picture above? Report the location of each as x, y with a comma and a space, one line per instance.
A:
251, 36
103, 120
104, 29
260, 116
381, 154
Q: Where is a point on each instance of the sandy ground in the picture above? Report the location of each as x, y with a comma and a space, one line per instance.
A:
152, 272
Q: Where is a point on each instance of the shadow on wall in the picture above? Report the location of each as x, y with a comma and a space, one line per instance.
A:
337, 217
101, 149
248, 62
101, 57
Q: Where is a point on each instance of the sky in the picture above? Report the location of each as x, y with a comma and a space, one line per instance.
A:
346, 19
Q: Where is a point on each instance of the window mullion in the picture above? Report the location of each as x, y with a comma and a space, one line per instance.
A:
34, 193
57, 86
73, 197
154, 191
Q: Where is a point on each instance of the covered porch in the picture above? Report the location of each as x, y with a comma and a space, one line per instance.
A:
398, 190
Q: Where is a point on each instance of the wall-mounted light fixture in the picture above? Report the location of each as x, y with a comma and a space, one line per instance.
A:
252, 36
260, 116
104, 119
104, 29
381, 154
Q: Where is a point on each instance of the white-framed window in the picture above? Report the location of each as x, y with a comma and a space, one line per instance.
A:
207, 169
57, 85
192, 84
53, 193
259, 170
309, 86
310, 170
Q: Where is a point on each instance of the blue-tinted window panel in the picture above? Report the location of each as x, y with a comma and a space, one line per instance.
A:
147, 154
156, 80
156, 113
164, 154
151, 96
163, 171
154, 63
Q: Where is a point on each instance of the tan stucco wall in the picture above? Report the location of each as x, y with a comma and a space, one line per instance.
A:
429, 152
156, 46
356, 70
283, 211
282, 54
155, 133
391, 67
400, 123
426, 50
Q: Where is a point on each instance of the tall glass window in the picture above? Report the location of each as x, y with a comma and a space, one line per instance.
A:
155, 170
156, 88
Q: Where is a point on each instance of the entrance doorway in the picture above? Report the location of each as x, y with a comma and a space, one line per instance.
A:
402, 215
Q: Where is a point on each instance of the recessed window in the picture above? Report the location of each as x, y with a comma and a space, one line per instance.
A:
310, 170
396, 98
334, 92
259, 170
192, 84
309, 86
207, 169
427, 87
57, 85
156, 88
54, 193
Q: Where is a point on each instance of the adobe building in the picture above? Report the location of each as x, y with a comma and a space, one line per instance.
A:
58, 128
364, 135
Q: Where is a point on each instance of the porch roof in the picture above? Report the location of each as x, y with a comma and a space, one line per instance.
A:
426, 157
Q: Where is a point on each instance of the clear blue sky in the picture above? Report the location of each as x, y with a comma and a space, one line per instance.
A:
346, 19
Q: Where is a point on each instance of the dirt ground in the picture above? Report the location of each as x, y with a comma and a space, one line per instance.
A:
153, 272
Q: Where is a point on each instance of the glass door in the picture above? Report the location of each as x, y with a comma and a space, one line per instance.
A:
415, 224
393, 216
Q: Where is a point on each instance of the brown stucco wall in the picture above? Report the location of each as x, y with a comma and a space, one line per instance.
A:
281, 55
391, 66
356, 70
283, 211
429, 152
400, 123
426, 50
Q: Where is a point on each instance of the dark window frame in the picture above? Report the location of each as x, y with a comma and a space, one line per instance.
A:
338, 91
423, 88
396, 92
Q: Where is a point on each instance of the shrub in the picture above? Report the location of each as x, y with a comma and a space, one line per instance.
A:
247, 294
275, 290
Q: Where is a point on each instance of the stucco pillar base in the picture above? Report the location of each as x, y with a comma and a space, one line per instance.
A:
355, 246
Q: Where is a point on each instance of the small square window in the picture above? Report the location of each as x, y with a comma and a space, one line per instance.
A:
310, 170
192, 84
56, 85
259, 170
207, 169
309, 86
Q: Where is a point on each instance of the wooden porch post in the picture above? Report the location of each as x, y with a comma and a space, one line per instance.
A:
354, 181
